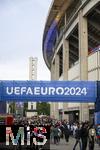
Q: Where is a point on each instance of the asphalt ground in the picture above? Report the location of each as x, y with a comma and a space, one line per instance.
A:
68, 146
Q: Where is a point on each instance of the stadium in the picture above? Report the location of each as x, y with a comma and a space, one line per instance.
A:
71, 50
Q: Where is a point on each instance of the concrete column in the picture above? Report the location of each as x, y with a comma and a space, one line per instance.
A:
52, 104
52, 109
31, 103
52, 71
7, 108
98, 67
65, 69
65, 58
55, 76
56, 105
65, 21
83, 60
57, 67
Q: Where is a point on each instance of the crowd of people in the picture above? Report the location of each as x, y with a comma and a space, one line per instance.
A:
35, 120
84, 133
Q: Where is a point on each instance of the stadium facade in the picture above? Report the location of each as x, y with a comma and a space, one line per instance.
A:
71, 50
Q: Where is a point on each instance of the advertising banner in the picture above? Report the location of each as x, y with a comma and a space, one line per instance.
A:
64, 91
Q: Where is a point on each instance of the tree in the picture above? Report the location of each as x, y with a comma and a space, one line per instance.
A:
43, 108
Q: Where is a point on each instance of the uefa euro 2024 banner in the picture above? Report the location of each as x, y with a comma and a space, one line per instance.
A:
65, 91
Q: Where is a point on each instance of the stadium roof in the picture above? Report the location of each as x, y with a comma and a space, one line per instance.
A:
56, 11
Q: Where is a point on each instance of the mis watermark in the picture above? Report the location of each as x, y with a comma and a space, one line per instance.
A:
25, 135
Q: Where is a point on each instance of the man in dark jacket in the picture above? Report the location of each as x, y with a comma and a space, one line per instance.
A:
66, 132
84, 135
77, 136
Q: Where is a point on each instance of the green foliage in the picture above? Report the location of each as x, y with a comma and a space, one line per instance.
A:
43, 108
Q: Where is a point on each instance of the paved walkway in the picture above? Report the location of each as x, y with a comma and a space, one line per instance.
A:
64, 146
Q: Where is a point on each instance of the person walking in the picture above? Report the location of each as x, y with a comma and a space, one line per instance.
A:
84, 135
51, 133
62, 131
77, 136
92, 137
55, 134
66, 133
59, 134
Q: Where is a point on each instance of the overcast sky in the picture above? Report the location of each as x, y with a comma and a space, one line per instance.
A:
21, 30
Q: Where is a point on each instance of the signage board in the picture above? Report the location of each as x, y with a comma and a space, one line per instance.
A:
64, 91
